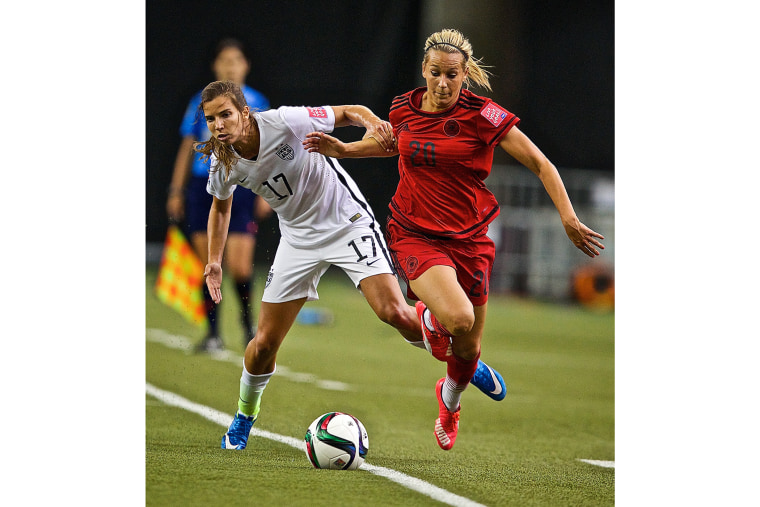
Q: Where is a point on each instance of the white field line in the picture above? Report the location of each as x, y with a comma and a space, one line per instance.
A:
183, 343
418, 485
179, 342
599, 463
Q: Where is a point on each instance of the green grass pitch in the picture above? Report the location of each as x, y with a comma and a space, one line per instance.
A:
557, 361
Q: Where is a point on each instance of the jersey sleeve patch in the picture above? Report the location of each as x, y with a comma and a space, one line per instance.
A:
493, 114
317, 112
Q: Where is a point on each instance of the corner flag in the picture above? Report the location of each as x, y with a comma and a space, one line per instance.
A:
180, 277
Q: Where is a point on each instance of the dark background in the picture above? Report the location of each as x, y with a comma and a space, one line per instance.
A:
552, 65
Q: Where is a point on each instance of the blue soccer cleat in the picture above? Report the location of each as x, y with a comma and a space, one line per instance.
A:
489, 381
237, 436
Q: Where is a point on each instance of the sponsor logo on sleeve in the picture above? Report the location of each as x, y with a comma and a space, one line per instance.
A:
493, 114
317, 112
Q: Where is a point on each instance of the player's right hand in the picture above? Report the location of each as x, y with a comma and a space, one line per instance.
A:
213, 276
382, 132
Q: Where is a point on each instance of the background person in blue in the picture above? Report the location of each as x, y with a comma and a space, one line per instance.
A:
189, 202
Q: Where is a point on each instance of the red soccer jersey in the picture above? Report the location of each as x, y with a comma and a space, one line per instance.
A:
444, 159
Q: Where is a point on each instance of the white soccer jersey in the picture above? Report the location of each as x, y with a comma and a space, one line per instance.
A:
313, 196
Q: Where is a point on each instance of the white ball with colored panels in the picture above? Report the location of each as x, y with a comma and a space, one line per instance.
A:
336, 441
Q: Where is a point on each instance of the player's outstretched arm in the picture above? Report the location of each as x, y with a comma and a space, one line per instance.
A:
522, 149
362, 116
319, 142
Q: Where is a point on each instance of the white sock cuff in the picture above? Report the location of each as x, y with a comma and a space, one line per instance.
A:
451, 393
420, 344
256, 381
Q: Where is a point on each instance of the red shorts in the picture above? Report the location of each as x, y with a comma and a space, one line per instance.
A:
472, 258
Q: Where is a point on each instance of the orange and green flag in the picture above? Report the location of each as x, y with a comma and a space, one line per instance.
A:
180, 277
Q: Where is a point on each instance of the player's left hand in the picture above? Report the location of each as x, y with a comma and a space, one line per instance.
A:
584, 238
325, 144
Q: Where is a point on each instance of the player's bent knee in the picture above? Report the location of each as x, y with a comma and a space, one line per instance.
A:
398, 315
460, 323
391, 314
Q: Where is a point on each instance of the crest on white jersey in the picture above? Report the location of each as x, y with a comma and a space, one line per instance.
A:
285, 152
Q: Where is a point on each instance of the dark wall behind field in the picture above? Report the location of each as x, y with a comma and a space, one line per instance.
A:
553, 65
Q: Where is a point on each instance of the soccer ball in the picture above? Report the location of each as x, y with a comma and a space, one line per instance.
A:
336, 441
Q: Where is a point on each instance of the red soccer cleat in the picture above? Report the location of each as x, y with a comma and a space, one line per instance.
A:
437, 344
447, 424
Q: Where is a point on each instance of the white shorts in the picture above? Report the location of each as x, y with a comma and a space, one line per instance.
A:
295, 273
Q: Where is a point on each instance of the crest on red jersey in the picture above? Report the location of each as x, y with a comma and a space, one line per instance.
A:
451, 128
494, 114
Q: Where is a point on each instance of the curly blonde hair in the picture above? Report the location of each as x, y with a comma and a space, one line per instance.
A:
452, 41
224, 153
